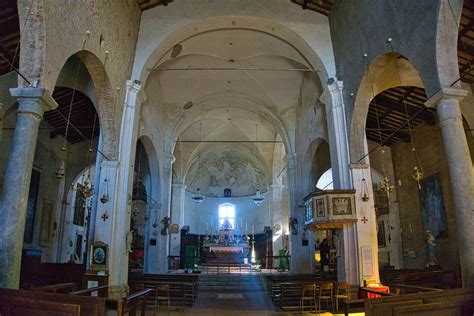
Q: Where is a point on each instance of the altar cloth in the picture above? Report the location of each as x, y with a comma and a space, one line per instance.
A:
226, 249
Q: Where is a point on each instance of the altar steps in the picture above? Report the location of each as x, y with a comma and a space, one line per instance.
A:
229, 282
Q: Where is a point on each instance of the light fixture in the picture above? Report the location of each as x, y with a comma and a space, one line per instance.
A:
258, 198
364, 195
198, 198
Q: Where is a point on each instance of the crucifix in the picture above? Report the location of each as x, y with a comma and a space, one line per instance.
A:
104, 216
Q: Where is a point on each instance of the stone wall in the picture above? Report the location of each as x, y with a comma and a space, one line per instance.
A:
429, 145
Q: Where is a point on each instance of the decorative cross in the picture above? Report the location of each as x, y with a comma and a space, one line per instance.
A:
104, 216
364, 220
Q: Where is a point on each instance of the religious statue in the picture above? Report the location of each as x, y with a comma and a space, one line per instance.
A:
166, 221
129, 240
293, 225
226, 232
432, 259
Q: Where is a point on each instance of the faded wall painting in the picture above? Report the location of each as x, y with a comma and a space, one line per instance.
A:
432, 206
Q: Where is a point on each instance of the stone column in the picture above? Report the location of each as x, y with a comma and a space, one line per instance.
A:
332, 98
338, 139
362, 254
277, 217
119, 221
177, 215
460, 173
299, 262
166, 180
33, 102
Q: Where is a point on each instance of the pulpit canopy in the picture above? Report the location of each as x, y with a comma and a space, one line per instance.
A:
326, 209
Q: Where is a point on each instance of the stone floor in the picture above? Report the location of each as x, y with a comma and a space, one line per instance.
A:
230, 295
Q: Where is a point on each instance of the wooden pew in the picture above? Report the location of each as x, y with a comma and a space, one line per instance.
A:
20, 306
175, 281
56, 288
100, 291
274, 282
386, 305
130, 303
443, 279
88, 305
446, 308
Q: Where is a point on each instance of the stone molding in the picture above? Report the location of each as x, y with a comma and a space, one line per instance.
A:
445, 93
44, 100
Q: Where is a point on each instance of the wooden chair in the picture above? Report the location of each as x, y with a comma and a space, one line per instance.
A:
162, 294
308, 295
326, 291
341, 292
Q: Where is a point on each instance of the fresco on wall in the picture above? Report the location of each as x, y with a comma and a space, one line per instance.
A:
229, 169
432, 206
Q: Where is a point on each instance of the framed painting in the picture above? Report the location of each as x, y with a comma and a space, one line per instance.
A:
320, 208
46, 223
433, 215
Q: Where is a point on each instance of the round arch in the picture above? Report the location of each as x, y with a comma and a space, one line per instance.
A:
389, 70
105, 106
204, 106
259, 24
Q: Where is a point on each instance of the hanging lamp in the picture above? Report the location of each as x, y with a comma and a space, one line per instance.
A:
199, 198
258, 197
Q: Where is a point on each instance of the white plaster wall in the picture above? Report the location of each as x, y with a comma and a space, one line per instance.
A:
197, 215
158, 23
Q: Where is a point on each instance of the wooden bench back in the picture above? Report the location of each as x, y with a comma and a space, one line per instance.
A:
89, 305
448, 308
376, 306
56, 288
20, 306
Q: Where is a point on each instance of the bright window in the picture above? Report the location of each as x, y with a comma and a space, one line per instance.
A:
325, 182
227, 210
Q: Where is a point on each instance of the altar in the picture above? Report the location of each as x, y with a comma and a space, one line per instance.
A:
226, 248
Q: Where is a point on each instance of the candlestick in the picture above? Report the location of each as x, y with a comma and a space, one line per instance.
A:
246, 227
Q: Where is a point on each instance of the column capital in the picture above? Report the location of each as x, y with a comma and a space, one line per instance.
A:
330, 93
42, 100
135, 86
277, 186
446, 93
290, 159
179, 185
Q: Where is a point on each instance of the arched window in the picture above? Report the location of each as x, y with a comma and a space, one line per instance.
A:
325, 181
227, 210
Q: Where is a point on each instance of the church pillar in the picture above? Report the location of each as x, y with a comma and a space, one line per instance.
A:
113, 217
333, 100
166, 180
33, 102
460, 173
177, 215
299, 262
364, 255
277, 217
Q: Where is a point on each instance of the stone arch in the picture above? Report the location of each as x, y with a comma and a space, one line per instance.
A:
449, 16
387, 71
309, 164
105, 106
203, 106
32, 43
153, 165
259, 24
